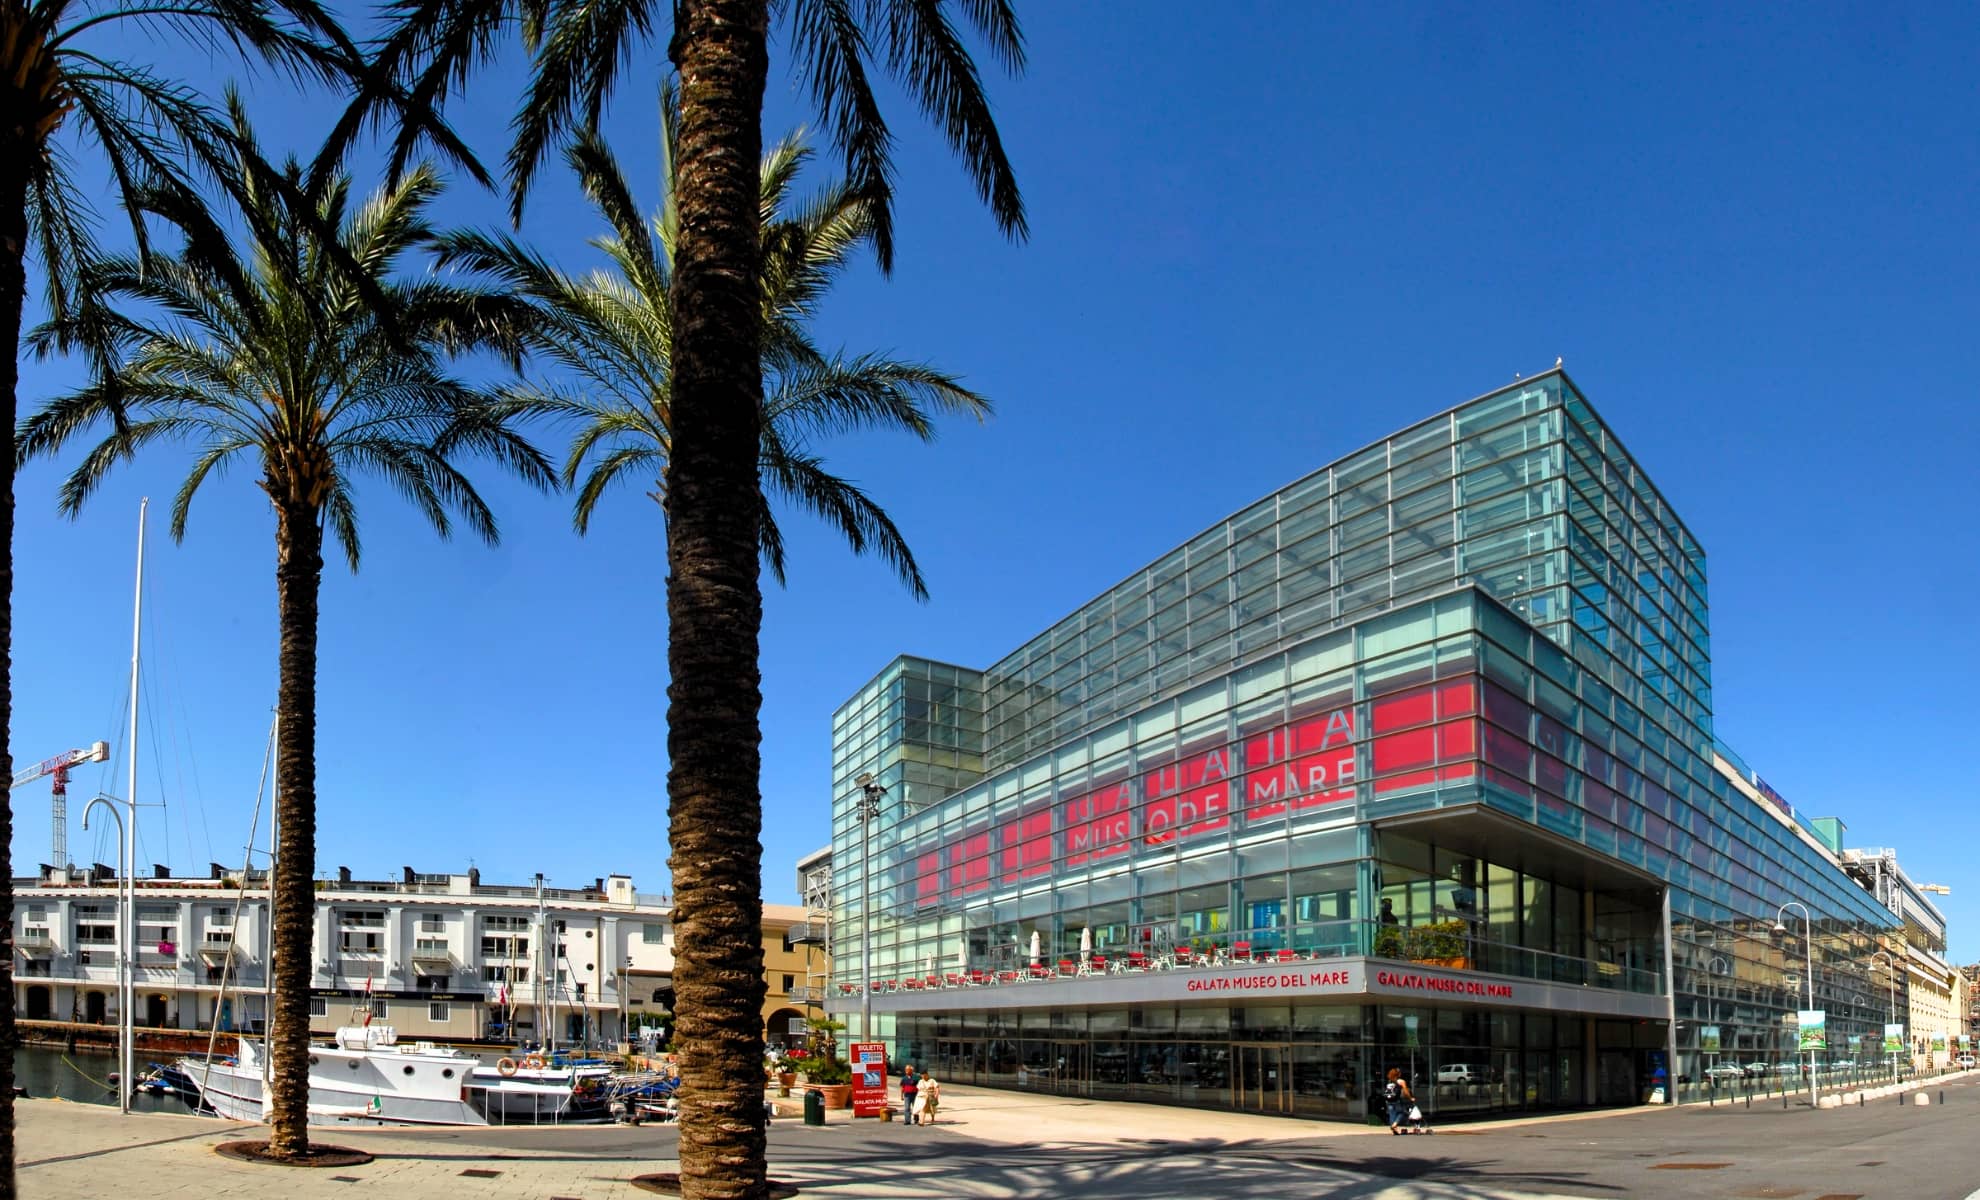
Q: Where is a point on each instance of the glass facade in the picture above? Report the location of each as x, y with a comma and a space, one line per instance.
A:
1443, 703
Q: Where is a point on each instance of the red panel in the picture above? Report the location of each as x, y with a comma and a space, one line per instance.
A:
1404, 751
1405, 781
928, 878
1417, 706
1096, 824
1457, 697
1183, 816
1457, 739
1551, 774
1027, 844
969, 868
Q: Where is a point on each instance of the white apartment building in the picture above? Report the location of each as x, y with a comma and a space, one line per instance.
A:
441, 957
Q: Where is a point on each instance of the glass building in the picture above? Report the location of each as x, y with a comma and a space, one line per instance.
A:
1409, 764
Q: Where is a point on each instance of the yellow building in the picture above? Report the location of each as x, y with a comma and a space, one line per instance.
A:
794, 965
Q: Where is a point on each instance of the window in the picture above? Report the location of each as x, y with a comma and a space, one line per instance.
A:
788, 981
505, 947
355, 942
220, 914
437, 1011
653, 935
432, 923
515, 924
103, 935
369, 918
492, 973
319, 1007
434, 946
431, 983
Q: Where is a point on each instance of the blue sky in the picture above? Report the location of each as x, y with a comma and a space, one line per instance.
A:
1262, 237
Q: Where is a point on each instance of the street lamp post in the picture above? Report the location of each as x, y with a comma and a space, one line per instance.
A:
870, 792
1808, 950
1890, 969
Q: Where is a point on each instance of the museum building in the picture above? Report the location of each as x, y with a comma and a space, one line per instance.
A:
1409, 764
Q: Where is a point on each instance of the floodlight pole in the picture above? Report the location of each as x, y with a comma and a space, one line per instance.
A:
1808, 951
871, 790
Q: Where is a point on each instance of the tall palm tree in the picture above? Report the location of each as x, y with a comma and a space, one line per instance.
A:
55, 80
614, 332
269, 352
720, 49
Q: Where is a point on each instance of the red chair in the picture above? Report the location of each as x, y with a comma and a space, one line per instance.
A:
1287, 956
1182, 956
1039, 971
934, 981
1068, 967
1241, 952
1007, 977
978, 978
1097, 964
1137, 961
951, 980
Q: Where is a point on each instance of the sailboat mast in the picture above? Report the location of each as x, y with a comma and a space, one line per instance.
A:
127, 1015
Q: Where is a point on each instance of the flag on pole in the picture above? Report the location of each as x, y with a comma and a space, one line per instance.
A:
502, 994
367, 1001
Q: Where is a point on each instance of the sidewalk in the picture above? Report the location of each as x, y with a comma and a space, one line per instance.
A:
987, 1144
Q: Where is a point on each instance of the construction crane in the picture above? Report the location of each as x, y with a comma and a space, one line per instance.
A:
59, 768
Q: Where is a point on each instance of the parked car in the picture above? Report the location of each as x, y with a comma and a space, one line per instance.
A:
1460, 1073
1725, 1073
1964, 1062
1756, 1069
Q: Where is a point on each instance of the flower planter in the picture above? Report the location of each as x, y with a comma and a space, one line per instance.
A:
786, 1080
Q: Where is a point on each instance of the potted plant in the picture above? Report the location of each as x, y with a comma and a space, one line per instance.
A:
822, 1067
786, 1068
1440, 943
832, 1077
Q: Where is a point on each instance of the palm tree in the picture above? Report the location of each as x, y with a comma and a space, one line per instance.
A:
269, 352
720, 49
614, 331
59, 94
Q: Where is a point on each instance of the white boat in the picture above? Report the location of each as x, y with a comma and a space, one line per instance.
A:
365, 1076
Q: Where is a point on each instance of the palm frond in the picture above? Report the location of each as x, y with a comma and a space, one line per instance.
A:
584, 45
868, 392
213, 457
605, 473
926, 54
831, 49
802, 480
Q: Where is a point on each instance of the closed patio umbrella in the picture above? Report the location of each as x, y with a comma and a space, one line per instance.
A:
1086, 943
1034, 947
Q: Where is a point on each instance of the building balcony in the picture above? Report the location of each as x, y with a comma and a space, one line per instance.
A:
805, 994
35, 943
216, 954
810, 933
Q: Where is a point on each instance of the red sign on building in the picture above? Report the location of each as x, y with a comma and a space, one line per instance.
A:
869, 1078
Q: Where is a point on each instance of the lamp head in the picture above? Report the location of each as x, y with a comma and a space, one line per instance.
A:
863, 778
1780, 930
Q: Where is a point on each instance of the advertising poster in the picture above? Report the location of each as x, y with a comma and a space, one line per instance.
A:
1938, 1041
869, 1078
1893, 1039
1708, 1039
1814, 1026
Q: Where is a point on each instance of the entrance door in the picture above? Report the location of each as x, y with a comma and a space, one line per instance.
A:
93, 1008
1069, 1074
1263, 1072
38, 1006
154, 1011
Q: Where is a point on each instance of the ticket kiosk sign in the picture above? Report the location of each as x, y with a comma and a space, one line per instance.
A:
869, 1078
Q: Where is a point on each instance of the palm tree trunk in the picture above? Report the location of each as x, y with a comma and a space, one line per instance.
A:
715, 602
13, 297
298, 577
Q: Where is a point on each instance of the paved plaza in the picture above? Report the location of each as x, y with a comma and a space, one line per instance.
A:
1003, 1144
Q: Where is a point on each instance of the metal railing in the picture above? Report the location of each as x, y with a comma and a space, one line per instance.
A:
1433, 946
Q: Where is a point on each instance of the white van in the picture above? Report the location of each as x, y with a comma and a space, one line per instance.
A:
1460, 1073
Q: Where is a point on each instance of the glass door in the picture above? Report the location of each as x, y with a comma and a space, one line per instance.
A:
1069, 1075
1260, 1083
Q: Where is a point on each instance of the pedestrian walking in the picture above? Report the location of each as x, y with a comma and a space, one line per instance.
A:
930, 1097
910, 1087
1402, 1105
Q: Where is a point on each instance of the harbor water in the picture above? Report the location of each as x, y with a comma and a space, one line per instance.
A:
83, 1077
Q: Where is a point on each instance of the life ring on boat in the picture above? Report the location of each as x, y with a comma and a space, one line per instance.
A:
506, 1067
533, 1062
